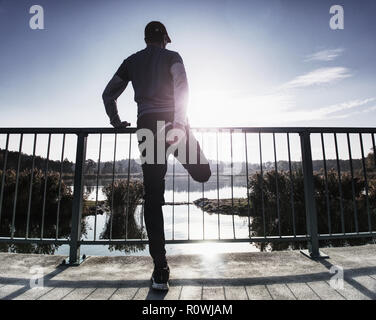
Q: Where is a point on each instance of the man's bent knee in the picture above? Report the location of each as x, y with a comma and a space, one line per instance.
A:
199, 172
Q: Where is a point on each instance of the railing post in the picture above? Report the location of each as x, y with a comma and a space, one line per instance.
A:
74, 252
310, 205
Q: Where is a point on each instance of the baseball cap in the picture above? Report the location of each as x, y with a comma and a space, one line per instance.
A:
155, 30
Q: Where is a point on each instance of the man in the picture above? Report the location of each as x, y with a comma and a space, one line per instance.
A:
161, 92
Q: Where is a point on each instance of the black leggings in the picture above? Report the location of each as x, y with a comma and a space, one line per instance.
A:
154, 185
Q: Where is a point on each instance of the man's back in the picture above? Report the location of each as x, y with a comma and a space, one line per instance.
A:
161, 92
149, 70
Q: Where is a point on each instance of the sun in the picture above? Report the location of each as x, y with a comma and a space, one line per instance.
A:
208, 108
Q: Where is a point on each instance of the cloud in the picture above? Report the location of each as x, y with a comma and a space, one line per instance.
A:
274, 115
325, 55
354, 113
329, 112
345, 106
270, 109
318, 77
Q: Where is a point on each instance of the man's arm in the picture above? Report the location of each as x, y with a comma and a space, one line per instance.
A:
112, 92
180, 93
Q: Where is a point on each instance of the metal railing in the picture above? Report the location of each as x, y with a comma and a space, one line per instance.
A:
311, 234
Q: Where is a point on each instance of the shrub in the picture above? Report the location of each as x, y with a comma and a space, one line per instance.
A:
36, 209
119, 220
295, 182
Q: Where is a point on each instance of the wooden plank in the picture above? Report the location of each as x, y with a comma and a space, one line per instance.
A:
302, 291
369, 285
101, 294
279, 291
9, 289
236, 293
324, 291
258, 292
191, 293
79, 294
356, 289
124, 294
56, 294
173, 293
142, 293
213, 293
33, 293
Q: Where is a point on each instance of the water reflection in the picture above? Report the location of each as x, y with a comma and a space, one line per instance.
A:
35, 223
134, 223
180, 182
122, 227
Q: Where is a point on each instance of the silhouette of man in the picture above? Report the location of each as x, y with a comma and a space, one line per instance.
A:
161, 92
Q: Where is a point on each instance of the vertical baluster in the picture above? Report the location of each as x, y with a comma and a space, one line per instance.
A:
352, 184
203, 192
339, 184
173, 198
276, 185
4, 174
374, 148
142, 218
97, 185
262, 186
188, 206
326, 185
246, 173
291, 186
112, 188
60, 179
45, 185
218, 215
365, 183
31, 187
128, 180
232, 187
16, 188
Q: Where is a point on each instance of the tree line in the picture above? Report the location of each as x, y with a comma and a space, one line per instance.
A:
121, 166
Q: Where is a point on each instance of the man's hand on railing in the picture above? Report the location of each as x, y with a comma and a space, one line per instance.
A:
122, 124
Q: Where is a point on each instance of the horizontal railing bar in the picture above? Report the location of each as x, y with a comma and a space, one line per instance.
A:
213, 129
34, 240
347, 235
67, 130
182, 241
289, 129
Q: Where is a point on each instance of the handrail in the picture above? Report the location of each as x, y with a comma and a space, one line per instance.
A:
94, 130
312, 235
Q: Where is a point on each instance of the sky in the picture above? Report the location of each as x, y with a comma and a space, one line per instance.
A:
249, 63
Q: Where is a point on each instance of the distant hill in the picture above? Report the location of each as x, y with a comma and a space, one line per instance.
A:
39, 162
121, 166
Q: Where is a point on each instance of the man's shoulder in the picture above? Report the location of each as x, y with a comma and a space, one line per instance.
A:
171, 52
135, 55
132, 56
174, 56
171, 55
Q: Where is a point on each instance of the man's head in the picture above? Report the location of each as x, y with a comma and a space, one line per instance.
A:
156, 34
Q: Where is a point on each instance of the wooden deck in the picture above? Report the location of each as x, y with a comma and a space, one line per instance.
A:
238, 276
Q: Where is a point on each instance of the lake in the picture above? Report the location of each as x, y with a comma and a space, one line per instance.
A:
179, 214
